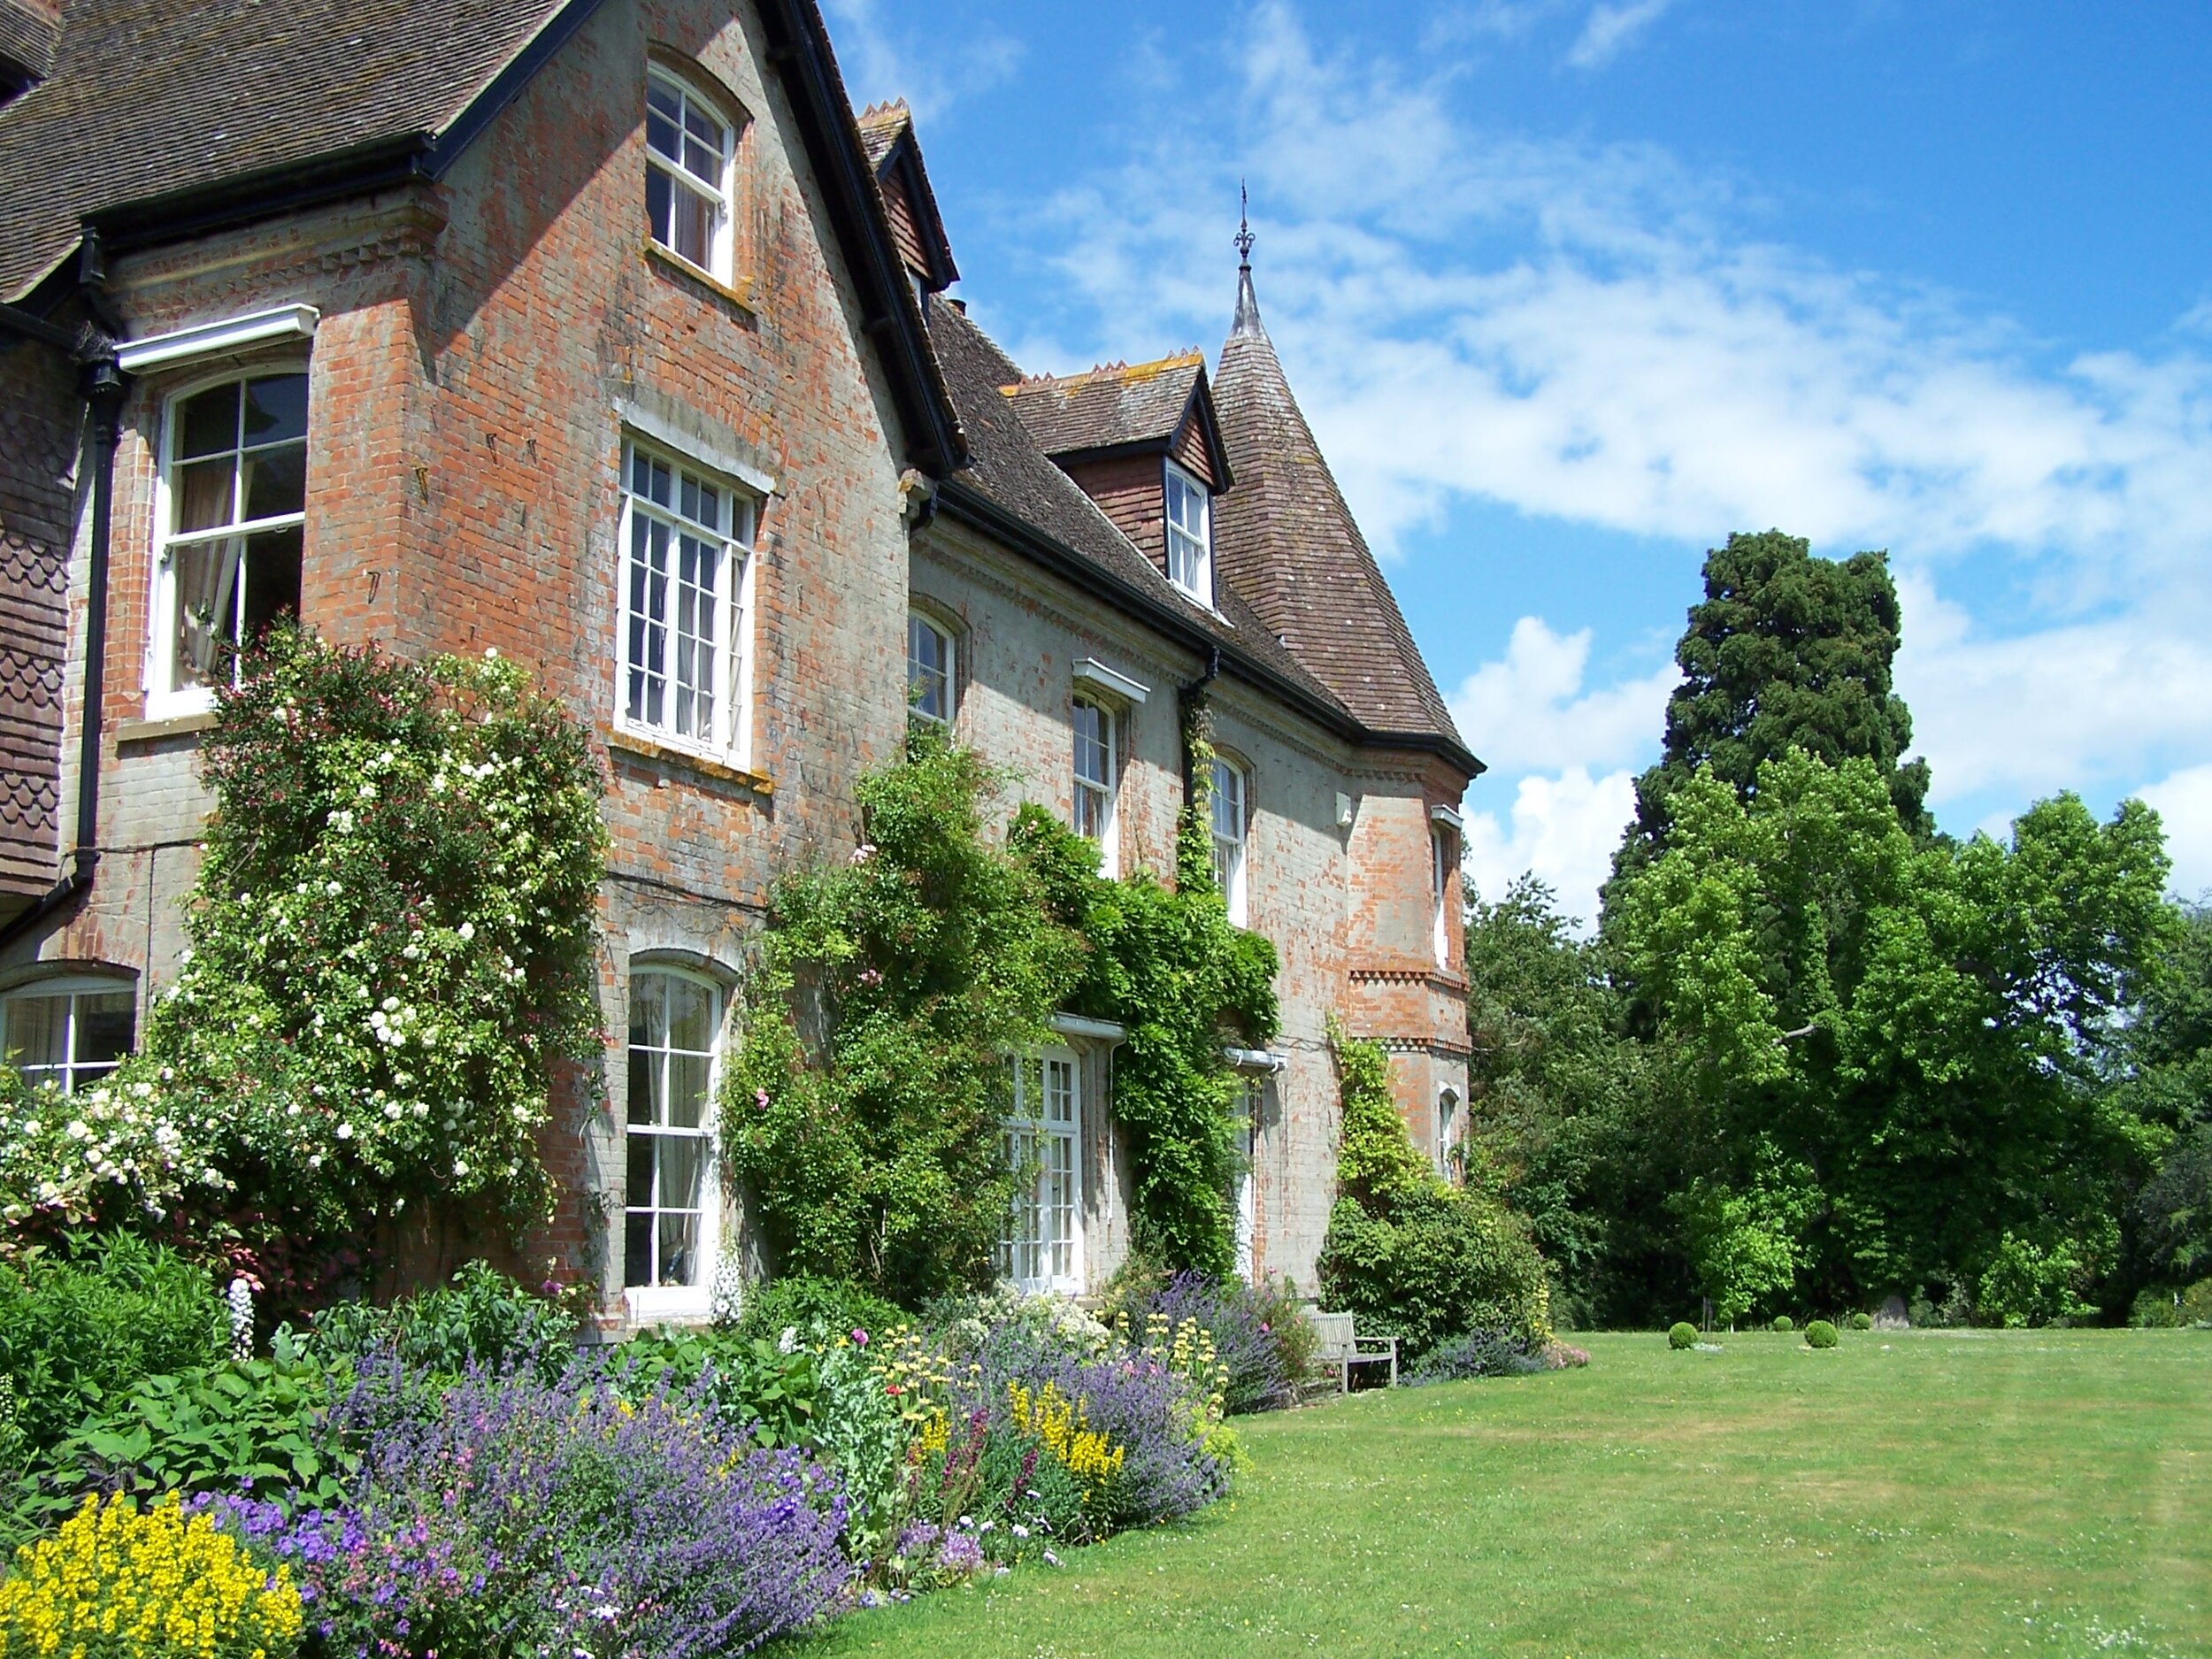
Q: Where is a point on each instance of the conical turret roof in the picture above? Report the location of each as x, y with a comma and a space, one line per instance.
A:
1285, 539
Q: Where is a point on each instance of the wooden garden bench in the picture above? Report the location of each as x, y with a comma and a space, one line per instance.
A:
1342, 1347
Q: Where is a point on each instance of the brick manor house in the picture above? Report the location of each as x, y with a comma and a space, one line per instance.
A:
605, 333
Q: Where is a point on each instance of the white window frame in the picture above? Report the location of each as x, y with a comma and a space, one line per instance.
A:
1046, 1216
1232, 851
728, 736
1447, 1116
1104, 794
663, 1301
74, 987
946, 679
1441, 848
164, 699
721, 192
1190, 549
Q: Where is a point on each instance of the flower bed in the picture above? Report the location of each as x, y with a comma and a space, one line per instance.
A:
452, 1476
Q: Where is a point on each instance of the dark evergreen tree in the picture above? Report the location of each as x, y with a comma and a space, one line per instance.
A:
1785, 651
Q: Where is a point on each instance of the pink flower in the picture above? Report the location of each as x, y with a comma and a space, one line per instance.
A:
760, 1098
860, 1337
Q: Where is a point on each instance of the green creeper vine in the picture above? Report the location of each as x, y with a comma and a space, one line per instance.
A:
863, 1112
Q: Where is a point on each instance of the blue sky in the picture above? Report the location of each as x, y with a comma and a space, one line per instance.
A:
1571, 289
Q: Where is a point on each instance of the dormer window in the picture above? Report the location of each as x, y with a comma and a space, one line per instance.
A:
1190, 549
690, 156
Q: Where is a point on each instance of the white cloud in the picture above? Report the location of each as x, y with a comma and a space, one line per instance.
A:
1563, 828
1611, 27
1529, 711
1594, 335
2069, 706
2183, 803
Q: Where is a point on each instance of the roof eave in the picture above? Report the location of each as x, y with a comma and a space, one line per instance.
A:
891, 314
970, 505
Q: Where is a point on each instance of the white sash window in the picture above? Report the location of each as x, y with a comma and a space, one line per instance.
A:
671, 1201
1040, 1247
686, 539
1228, 814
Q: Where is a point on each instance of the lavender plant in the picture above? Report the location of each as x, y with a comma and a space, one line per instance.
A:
506, 1515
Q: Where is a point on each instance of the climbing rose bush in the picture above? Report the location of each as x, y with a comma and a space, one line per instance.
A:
390, 957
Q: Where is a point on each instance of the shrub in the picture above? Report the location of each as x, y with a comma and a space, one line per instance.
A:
1820, 1333
2156, 1309
118, 1583
1233, 1315
81, 1330
1784, 1324
481, 1319
2196, 1302
246, 1425
1862, 1321
1441, 1263
1479, 1354
808, 1303
1682, 1334
507, 1514
2030, 1284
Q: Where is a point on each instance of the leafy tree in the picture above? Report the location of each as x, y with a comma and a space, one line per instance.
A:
1921, 1026
2167, 1087
1786, 651
1571, 1120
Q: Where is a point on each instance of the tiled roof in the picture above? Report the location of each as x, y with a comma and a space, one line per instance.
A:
1285, 538
1114, 404
151, 97
26, 38
1006, 467
882, 126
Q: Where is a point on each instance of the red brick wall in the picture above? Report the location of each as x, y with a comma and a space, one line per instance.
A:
482, 346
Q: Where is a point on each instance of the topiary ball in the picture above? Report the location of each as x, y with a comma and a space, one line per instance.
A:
1682, 1334
1784, 1323
1861, 1322
1820, 1333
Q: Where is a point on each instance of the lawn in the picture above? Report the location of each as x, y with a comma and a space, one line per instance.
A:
2030, 1492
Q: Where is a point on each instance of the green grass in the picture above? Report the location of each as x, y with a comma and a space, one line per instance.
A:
2030, 1492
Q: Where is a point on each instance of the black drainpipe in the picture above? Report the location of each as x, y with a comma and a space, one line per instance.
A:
1186, 696
103, 386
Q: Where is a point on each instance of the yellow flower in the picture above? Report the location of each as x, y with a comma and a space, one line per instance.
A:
118, 1582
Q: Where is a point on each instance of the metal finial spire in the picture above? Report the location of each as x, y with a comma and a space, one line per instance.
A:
1244, 227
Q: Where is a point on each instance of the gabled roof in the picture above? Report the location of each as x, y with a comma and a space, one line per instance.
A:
163, 121
151, 99
1285, 538
1026, 499
1120, 408
887, 132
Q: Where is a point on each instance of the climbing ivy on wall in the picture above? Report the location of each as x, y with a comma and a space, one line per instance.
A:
862, 1114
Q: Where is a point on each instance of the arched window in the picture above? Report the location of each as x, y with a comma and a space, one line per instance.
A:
671, 1200
1447, 1121
1190, 551
690, 174
230, 519
929, 669
1230, 797
67, 1032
